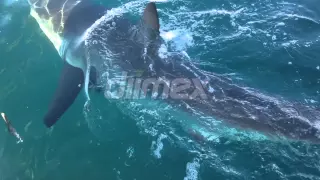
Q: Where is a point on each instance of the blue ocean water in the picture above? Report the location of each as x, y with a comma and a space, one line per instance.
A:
272, 46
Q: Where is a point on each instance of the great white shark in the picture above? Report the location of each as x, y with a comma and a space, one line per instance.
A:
134, 47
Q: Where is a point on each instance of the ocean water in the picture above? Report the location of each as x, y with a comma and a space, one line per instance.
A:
269, 45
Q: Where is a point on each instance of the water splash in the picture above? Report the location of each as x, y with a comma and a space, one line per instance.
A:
192, 170
157, 147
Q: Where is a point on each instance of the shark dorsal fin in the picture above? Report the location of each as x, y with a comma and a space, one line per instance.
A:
150, 16
147, 30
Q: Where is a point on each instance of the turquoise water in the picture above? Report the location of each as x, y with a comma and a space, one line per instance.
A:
272, 46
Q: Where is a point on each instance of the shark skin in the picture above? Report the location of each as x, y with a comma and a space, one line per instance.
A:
64, 29
136, 45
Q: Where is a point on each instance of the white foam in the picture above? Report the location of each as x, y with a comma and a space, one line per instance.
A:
211, 90
316, 124
180, 38
312, 101
130, 151
274, 37
158, 0
287, 44
163, 51
230, 170
192, 170
222, 11
296, 17
281, 24
158, 146
168, 36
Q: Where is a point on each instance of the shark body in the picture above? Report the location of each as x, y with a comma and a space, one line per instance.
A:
135, 47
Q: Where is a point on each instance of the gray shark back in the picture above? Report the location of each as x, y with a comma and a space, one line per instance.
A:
226, 101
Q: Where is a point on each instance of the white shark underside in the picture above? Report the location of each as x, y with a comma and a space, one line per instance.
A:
65, 23
51, 15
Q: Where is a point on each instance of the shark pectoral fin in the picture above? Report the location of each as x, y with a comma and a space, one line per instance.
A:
70, 84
